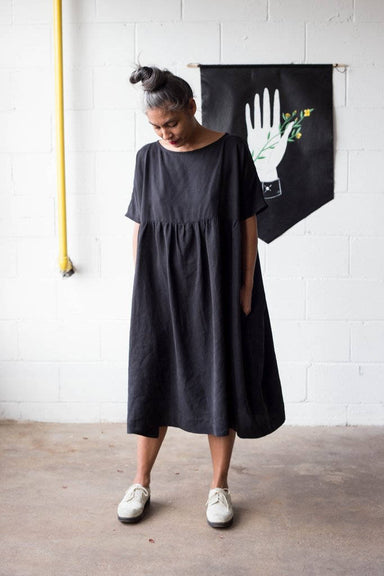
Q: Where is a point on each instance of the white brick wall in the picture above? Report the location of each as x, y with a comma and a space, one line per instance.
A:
64, 342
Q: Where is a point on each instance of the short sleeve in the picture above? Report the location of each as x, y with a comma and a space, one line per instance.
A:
251, 198
134, 207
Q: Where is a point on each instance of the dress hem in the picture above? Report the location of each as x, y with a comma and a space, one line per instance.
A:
275, 424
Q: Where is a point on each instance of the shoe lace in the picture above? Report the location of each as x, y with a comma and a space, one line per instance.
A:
135, 491
218, 496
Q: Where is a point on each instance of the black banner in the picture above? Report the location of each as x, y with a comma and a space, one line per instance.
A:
284, 112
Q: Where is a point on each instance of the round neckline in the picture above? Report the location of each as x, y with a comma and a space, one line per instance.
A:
190, 151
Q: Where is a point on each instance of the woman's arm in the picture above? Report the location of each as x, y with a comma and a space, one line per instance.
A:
135, 234
248, 260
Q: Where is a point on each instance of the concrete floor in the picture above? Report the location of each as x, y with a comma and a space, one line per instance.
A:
308, 501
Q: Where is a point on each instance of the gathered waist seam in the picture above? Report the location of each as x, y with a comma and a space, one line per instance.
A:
183, 222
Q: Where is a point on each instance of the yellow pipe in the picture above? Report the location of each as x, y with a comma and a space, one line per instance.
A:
65, 264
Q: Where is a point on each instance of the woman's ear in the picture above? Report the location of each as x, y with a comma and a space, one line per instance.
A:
192, 106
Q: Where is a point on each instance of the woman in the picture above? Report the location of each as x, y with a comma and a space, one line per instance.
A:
201, 353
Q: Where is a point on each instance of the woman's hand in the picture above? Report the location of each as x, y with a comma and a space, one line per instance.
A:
134, 240
246, 298
248, 261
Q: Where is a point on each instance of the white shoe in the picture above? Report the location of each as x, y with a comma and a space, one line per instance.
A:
132, 506
219, 508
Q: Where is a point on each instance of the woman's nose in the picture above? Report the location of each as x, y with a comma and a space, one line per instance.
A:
166, 134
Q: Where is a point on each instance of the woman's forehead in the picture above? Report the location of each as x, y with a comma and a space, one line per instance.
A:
161, 116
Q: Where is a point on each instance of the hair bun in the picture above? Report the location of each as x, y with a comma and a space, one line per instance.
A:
152, 79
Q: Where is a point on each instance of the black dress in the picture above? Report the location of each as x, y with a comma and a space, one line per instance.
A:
196, 360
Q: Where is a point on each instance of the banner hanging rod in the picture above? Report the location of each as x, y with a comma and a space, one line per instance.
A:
197, 65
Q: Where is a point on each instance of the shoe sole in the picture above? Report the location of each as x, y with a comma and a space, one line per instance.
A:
135, 519
221, 524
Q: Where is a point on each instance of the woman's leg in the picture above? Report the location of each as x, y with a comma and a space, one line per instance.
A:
221, 451
147, 451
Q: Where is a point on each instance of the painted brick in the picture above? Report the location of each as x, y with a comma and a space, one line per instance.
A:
311, 341
51, 341
367, 258
106, 380
345, 299
363, 169
313, 414
78, 88
365, 415
356, 130
115, 10
83, 217
80, 173
345, 383
6, 184
25, 132
349, 214
10, 411
123, 94
347, 43
33, 216
6, 92
366, 87
79, 11
114, 339
172, 43
8, 259
226, 10
114, 252
315, 318
285, 298
25, 45
34, 174
115, 171
339, 84
36, 299
85, 255
308, 256
65, 412
6, 12
99, 130
26, 206
249, 43
113, 412
114, 222
341, 171
84, 298
7, 205
29, 381
46, 250
293, 376
37, 12
98, 44
367, 342
8, 339
311, 10
369, 11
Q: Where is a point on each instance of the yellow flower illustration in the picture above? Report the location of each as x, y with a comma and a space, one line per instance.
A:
298, 135
307, 112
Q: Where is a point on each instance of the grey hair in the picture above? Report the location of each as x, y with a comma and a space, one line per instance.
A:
162, 89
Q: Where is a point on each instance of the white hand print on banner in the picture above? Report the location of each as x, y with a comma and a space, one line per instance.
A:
266, 142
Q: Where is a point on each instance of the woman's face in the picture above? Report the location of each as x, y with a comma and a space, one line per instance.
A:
175, 127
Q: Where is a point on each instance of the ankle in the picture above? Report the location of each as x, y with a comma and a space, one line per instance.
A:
143, 480
219, 484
